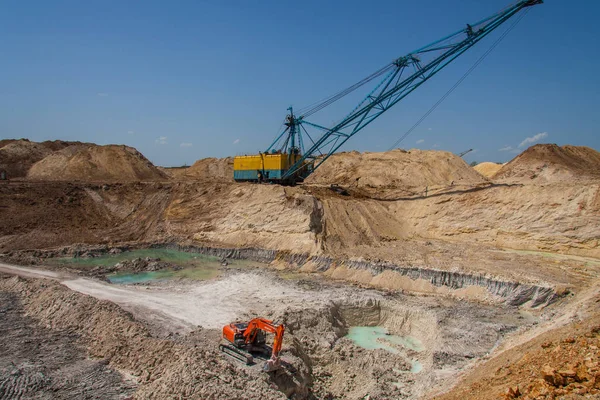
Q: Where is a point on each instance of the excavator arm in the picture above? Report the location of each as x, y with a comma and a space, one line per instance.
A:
241, 339
266, 325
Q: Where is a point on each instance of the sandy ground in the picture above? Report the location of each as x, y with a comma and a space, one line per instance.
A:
211, 304
29, 272
536, 222
317, 314
37, 362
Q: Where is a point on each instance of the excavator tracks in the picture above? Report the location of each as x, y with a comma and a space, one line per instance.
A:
236, 353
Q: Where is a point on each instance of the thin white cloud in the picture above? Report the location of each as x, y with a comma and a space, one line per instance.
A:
436, 145
185, 145
420, 141
429, 129
236, 141
534, 138
101, 94
130, 132
161, 140
506, 148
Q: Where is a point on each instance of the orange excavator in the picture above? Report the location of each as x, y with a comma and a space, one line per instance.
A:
242, 339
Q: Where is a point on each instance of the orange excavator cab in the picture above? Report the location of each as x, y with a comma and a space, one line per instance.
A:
241, 339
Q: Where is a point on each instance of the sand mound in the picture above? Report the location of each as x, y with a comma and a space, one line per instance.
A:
488, 169
206, 169
396, 168
17, 156
95, 163
552, 163
4, 142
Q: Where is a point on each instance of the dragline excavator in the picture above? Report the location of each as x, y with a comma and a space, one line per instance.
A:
243, 339
296, 153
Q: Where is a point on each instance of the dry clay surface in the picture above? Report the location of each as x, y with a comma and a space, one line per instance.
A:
456, 225
210, 305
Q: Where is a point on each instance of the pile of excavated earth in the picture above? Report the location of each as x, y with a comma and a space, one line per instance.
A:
488, 169
546, 163
411, 170
206, 169
75, 161
422, 278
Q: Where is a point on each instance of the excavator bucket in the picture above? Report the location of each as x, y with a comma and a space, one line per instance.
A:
272, 365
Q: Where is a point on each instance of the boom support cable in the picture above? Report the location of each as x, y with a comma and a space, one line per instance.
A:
394, 82
460, 81
318, 106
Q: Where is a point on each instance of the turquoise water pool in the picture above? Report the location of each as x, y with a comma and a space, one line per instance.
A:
173, 256
194, 265
141, 277
376, 337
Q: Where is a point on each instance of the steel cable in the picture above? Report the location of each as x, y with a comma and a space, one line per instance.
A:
460, 81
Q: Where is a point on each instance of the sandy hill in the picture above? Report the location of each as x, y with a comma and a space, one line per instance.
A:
4, 142
551, 163
396, 168
86, 162
18, 155
488, 169
206, 169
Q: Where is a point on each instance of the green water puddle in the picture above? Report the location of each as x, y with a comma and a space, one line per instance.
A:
172, 256
199, 273
195, 266
377, 337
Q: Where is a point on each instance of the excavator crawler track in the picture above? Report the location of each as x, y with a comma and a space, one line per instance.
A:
236, 353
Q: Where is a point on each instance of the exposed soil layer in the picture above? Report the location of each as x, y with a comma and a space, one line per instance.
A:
380, 275
558, 363
545, 163
37, 362
462, 231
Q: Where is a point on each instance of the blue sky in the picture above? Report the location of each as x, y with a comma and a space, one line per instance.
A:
185, 80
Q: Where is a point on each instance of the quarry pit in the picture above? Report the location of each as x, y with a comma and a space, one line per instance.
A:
346, 340
116, 282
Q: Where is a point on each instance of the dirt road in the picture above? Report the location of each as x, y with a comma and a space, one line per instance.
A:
209, 304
